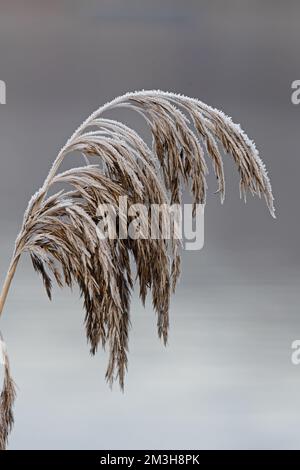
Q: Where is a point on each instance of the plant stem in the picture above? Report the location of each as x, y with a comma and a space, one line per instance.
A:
9, 276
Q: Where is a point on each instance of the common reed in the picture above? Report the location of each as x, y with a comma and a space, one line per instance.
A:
61, 234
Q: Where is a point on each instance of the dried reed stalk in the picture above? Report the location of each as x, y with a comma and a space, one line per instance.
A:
60, 231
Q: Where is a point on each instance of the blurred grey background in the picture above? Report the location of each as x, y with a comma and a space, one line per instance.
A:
226, 379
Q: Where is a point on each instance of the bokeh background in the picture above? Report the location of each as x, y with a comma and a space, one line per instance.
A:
226, 380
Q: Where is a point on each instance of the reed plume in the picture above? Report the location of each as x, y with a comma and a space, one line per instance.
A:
7, 398
61, 234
